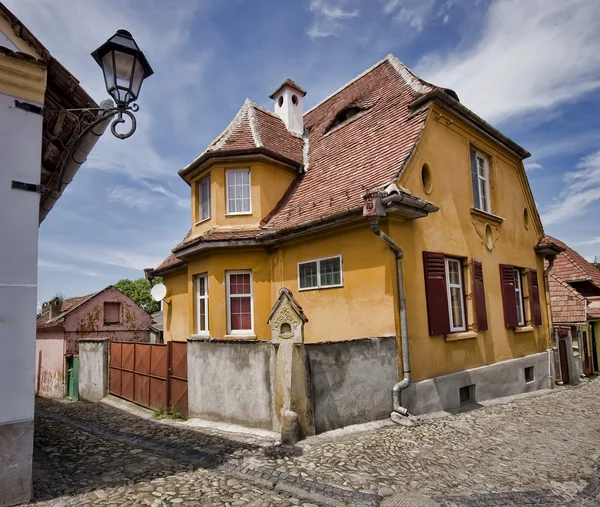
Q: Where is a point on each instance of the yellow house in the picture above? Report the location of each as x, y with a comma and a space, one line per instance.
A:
398, 221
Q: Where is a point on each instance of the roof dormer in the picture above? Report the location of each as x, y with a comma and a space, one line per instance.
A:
288, 105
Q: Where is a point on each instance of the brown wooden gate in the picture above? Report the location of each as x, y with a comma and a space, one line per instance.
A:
151, 375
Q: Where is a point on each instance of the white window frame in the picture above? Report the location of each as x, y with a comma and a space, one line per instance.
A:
483, 180
319, 285
205, 331
460, 286
239, 332
519, 296
234, 213
200, 183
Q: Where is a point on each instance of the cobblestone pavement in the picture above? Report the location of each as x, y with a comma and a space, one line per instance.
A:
541, 451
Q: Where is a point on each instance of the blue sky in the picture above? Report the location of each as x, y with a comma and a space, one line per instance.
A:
532, 68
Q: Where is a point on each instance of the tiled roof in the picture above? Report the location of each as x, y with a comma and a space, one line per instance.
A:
368, 150
570, 266
568, 306
68, 305
254, 129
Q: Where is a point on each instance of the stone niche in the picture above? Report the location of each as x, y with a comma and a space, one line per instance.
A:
287, 319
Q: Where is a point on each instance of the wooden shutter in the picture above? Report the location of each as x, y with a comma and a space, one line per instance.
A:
479, 296
437, 296
475, 180
507, 283
534, 298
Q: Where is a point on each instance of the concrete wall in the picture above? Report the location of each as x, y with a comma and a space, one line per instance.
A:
505, 378
50, 364
230, 381
93, 368
352, 381
20, 145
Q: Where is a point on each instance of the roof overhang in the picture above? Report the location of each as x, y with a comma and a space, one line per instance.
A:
234, 156
439, 97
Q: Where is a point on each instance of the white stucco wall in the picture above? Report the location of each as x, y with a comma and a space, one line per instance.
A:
20, 149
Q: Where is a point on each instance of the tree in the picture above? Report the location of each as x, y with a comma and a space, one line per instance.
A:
596, 265
139, 291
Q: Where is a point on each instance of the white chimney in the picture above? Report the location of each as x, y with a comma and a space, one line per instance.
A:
288, 105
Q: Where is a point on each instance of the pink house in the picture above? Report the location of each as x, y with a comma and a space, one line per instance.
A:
105, 314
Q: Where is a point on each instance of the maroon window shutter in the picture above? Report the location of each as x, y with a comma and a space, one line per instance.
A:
437, 295
479, 296
507, 282
534, 298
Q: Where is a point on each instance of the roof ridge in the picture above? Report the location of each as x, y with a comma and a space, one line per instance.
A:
408, 75
252, 121
221, 139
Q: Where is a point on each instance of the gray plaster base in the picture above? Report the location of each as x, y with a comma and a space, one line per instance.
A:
352, 381
16, 450
230, 381
497, 380
93, 369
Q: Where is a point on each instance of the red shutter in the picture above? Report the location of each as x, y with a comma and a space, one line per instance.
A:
437, 295
507, 283
534, 298
479, 297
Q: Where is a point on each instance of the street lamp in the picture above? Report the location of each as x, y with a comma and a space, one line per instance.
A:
125, 67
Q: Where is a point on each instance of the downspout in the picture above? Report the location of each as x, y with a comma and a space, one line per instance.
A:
404, 383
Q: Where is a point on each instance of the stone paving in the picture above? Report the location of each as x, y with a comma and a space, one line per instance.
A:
539, 451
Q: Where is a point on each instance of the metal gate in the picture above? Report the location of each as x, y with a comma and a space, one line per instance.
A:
151, 375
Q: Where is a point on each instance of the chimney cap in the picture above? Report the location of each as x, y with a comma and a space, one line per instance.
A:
291, 84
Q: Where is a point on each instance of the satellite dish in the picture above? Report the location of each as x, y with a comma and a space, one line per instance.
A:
158, 292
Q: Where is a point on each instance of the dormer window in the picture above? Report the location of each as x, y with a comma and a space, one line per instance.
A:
345, 115
204, 199
238, 192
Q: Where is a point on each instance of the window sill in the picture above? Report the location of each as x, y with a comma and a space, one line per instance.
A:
324, 287
488, 216
524, 329
202, 221
462, 335
245, 213
240, 337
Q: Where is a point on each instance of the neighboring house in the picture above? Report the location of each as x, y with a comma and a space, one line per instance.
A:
575, 298
105, 314
278, 202
33, 84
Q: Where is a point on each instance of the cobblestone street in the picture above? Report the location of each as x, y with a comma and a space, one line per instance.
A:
543, 450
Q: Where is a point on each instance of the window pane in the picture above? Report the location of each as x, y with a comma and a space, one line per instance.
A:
481, 167
238, 191
241, 313
456, 303
205, 199
454, 272
308, 275
202, 315
330, 272
201, 286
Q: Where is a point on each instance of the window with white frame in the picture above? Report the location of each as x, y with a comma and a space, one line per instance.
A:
238, 192
204, 199
240, 318
456, 298
320, 273
519, 297
201, 282
481, 181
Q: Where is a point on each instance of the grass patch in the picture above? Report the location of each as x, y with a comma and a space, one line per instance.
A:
168, 413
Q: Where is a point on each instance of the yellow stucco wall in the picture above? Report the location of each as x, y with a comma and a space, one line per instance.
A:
366, 306
268, 184
455, 231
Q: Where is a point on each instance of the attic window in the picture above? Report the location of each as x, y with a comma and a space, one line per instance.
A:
345, 115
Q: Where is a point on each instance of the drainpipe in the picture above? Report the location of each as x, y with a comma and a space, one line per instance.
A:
404, 383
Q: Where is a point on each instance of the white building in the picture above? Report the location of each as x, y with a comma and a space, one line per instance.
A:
32, 85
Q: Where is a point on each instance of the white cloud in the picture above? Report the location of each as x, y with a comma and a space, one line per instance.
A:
44, 265
414, 13
529, 56
581, 191
328, 17
147, 198
533, 166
